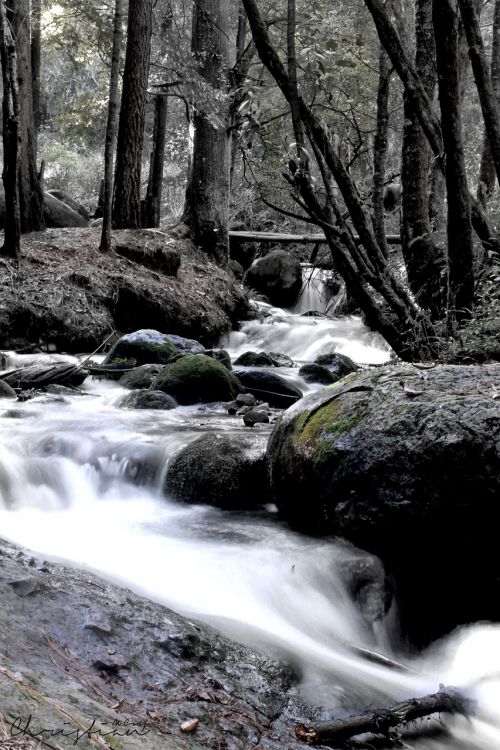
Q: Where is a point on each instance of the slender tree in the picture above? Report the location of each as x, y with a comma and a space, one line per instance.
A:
127, 192
30, 191
113, 106
207, 195
36, 62
486, 183
11, 119
380, 147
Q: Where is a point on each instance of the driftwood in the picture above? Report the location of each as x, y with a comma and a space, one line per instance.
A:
392, 239
339, 731
39, 376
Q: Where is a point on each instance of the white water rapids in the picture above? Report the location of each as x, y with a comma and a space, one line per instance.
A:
81, 481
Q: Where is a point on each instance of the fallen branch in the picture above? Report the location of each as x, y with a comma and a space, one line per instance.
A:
448, 700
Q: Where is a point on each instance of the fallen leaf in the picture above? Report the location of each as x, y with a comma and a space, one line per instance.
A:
190, 726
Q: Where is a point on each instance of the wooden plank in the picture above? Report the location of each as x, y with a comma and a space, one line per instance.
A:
271, 237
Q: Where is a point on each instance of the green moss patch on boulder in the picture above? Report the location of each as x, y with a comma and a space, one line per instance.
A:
196, 378
145, 346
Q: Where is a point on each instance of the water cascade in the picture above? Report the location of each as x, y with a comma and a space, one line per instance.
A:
81, 481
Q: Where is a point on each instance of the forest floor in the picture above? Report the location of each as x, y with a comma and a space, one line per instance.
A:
68, 296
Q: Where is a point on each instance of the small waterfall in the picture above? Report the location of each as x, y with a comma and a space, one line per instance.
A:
317, 294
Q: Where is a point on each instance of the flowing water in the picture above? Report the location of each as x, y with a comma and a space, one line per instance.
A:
81, 481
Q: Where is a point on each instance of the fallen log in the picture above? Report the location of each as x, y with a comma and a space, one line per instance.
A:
39, 376
244, 236
339, 731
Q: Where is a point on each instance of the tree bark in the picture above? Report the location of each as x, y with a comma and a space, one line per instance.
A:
30, 192
152, 201
11, 137
486, 182
380, 147
459, 228
109, 146
483, 80
206, 209
36, 63
127, 193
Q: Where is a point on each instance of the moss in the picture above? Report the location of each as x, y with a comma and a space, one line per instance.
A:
196, 378
319, 434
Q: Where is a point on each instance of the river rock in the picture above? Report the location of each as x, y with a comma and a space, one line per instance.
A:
251, 417
313, 373
196, 378
367, 582
254, 359
147, 399
405, 463
278, 276
158, 668
182, 344
6, 390
140, 377
145, 346
229, 473
220, 355
338, 364
267, 385
281, 360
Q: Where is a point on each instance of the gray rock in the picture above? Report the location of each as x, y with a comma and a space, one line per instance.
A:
278, 276
147, 399
220, 355
267, 385
313, 373
255, 416
246, 399
6, 390
405, 463
254, 359
280, 360
338, 364
142, 347
221, 471
152, 254
140, 377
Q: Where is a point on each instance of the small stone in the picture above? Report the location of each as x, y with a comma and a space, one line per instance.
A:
246, 399
190, 726
255, 416
24, 587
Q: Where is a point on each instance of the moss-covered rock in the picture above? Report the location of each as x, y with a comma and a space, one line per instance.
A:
145, 346
140, 377
147, 399
402, 461
196, 378
229, 473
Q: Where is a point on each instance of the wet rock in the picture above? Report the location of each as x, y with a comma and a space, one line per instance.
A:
197, 378
182, 344
280, 360
142, 347
147, 399
245, 399
255, 416
6, 390
254, 359
267, 385
313, 373
242, 253
278, 276
405, 463
338, 364
220, 355
229, 473
366, 580
25, 586
140, 377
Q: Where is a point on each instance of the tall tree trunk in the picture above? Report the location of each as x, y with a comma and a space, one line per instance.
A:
30, 192
206, 209
109, 146
127, 193
486, 182
380, 147
36, 62
152, 202
460, 248
421, 256
11, 137
483, 80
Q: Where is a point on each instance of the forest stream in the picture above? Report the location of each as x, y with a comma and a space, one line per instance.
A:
81, 482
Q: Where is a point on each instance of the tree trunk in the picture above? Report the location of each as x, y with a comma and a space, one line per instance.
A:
30, 193
460, 248
36, 62
486, 183
109, 146
483, 80
11, 117
152, 203
422, 258
206, 209
380, 147
127, 193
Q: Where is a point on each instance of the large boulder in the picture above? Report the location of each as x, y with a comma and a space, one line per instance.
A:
405, 463
144, 347
196, 378
228, 472
267, 386
278, 276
